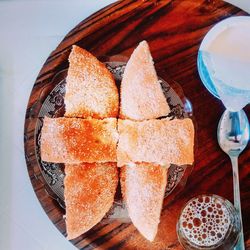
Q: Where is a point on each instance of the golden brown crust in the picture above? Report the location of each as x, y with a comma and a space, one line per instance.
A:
143, 187
74, 140
90, 90
89, 194
90, 187
156, 141
142, 97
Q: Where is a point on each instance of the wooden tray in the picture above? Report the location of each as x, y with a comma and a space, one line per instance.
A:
174, 30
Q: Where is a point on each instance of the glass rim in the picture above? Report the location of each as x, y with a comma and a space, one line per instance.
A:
205, 77
181, 234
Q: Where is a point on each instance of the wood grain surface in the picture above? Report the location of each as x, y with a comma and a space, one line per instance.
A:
174, 30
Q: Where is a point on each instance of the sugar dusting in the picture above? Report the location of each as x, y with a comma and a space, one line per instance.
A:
90, 90
75, 140
89, 188
141, 93
143, 187
153, 141
87, 201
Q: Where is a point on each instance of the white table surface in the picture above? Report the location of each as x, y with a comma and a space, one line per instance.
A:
29, 31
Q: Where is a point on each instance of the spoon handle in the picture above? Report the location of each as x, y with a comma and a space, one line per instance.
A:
234, 159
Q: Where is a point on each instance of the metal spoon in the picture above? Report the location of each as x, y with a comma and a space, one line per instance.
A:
233, 136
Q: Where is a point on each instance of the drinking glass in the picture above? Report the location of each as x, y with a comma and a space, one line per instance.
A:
208, 222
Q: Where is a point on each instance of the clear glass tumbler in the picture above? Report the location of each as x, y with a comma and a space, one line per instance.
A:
208, 222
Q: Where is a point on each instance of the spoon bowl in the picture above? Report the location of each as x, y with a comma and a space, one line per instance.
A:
233, 132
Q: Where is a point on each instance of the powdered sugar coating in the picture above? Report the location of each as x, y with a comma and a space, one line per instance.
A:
143, 186
90, 90
141, 94
156, 141
89, 194
75, 140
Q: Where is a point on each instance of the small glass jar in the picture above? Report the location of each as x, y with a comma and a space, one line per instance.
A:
208, 222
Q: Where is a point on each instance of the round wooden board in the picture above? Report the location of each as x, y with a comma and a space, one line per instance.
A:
174, 30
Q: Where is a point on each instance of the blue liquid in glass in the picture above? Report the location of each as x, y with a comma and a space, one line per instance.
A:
232, 97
